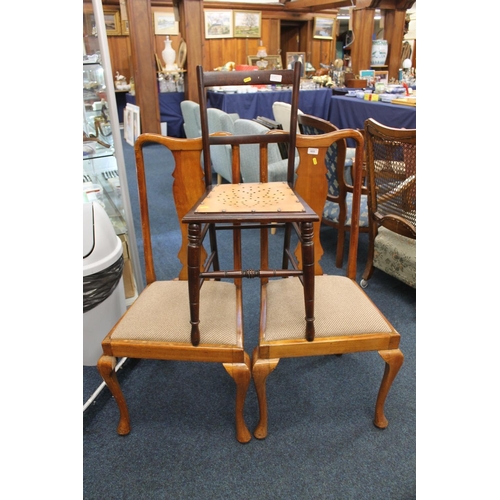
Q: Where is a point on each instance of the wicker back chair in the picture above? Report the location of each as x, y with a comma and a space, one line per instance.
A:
392, 183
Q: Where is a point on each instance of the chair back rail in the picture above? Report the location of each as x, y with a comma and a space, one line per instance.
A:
187, 188
312, 185
208, 79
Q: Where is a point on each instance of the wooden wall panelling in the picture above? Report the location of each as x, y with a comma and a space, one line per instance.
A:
120, 54
394, 34
274, 37
159, 40
144, 64
362, 26
192, 26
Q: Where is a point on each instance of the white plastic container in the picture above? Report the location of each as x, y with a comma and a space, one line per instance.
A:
103, 290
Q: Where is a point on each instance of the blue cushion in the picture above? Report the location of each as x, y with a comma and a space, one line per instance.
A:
331, 211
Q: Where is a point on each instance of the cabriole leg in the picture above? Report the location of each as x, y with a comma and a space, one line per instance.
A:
241, 374
393, 362
106, 366
261, 368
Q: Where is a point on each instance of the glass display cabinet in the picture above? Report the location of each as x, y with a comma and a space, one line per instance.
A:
104, 175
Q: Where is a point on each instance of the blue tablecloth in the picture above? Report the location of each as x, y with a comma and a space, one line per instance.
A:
312, 102
170, 111
351, 112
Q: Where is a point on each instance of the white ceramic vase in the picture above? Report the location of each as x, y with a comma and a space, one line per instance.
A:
168, 55
379, 52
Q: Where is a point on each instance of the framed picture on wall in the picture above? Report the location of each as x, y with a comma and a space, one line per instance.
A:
218, 24
323, 27
165, 23
125, 30
274, 62
381, 77
112, 22
131, 123
293, 57
247, 24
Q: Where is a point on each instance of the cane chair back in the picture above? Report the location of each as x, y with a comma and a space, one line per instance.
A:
391, 156
157, 325
345, 319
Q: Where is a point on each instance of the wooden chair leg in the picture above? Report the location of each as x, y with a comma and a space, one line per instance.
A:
339, 259
106, 366
367, 273
261, 368
241, 374
393, 361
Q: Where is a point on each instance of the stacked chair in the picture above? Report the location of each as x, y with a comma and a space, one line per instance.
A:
302, 311
391, 156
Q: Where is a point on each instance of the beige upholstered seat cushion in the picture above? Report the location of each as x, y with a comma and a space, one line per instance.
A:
396, 255
340, 308
161, 314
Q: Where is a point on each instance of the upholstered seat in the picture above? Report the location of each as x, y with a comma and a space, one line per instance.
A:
285, 319
396, 255
345, 318
158, 324
150, 317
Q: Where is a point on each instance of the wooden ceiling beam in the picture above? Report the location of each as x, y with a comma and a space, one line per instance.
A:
385, 4
317, 5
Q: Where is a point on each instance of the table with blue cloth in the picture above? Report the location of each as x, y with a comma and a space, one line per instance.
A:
351, 112
170, 111
250, 105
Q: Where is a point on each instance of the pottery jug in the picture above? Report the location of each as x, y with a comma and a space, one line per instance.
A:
168, 55
379, 52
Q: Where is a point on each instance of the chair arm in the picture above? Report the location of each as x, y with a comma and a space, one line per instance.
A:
397, 224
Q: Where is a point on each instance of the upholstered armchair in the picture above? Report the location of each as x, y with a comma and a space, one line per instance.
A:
249, 153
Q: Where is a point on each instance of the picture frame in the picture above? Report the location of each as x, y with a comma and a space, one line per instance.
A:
112, 22
366, 74
274, 62
291, 57
218, 24
131, 123
125, 28
324, 28
381, 77
247, 24
165, 23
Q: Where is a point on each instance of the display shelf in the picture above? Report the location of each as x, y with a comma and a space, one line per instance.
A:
104, 173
